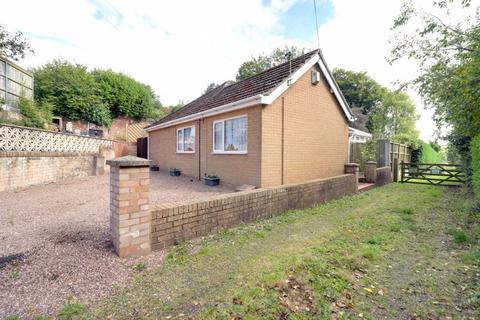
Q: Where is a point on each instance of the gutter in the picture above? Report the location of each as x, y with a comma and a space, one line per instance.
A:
236, 105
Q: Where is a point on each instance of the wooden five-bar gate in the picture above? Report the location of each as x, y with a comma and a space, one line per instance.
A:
450, 175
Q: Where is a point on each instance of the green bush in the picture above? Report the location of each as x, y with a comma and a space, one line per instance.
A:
98, 113
123, 95
35, 115
416, 154
475, 151
94, 96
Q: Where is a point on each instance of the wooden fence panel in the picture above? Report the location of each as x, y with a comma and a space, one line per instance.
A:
399, 151
142, 147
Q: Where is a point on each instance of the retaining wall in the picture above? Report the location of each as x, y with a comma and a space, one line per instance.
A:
174, 222
21, 170
30, 156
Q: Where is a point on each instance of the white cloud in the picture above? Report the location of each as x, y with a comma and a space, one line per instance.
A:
357, 38
179, 47
176, 47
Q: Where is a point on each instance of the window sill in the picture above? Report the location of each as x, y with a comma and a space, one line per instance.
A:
185, 152
230, 152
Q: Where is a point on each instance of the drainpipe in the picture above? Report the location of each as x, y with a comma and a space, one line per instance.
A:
283, 140
199, 149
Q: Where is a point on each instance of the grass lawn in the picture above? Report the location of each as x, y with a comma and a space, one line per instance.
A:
396, 252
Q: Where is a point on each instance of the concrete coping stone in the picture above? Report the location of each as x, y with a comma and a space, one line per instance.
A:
129, 161
352, 164
371, 162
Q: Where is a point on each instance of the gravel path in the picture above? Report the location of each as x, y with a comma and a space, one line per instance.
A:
55, 242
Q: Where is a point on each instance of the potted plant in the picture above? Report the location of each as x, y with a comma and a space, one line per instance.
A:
175, 172
211, 180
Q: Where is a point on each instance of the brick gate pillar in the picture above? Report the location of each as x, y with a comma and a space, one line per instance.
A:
129, 205
371, 171
352, 168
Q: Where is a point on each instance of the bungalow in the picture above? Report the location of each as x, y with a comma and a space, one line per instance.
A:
284, 125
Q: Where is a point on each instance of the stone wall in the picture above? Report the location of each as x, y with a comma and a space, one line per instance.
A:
23, 169
174, 222
384, 176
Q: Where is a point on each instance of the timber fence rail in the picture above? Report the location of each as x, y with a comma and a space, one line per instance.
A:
441, 174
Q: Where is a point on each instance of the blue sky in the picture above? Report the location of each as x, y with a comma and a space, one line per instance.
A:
299, 21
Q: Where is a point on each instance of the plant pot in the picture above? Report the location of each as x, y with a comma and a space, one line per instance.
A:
175, 173
211, 181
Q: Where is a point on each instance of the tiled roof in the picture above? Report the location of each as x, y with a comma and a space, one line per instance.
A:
262, 83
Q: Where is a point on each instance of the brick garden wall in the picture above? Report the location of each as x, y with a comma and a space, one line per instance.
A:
173, 222
384, 176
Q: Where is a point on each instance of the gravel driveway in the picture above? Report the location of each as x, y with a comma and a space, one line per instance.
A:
55, 242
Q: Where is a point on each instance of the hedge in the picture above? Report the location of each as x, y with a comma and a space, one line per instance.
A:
430, 155
475, 151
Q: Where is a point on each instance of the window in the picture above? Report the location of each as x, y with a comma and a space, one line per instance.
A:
186, 140
230, 135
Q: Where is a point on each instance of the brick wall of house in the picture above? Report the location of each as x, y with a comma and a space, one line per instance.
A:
233, 169
23, 169
175, 222
315, 136
163, 150
315, 141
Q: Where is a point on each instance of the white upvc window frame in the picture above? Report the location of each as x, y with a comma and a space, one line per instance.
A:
183, 139
223, 151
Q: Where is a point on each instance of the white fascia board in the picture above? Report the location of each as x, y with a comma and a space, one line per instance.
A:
268, 99
300, 72
237, 105
278, 91
359, 132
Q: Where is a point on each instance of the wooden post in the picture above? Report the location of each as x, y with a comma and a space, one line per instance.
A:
402, 171
395, 170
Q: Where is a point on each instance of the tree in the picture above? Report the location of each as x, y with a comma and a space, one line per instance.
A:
210, 87
395, 117
77, 94
177, 106
71, 90
263, 62
448, 52
123, 95
13, 46
359, 89
387, 114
